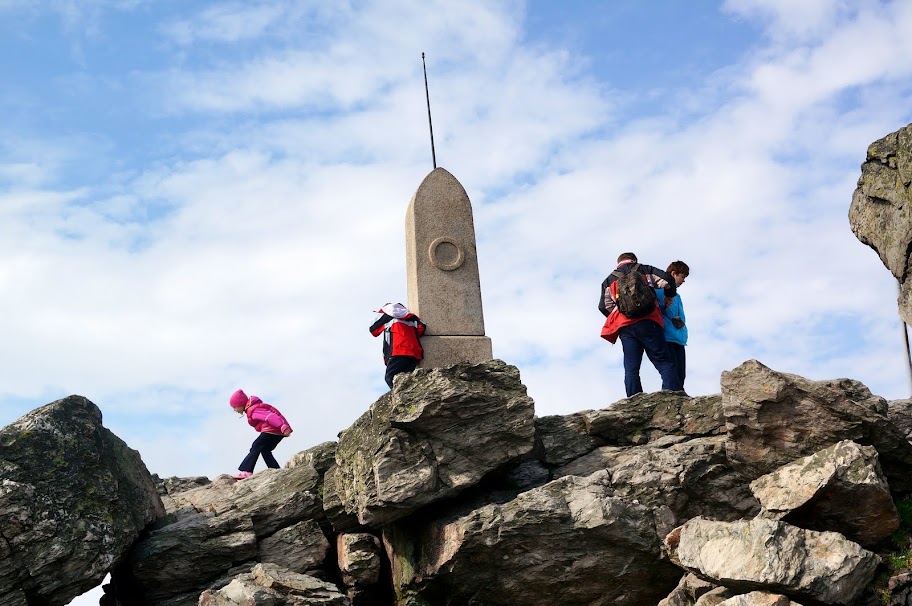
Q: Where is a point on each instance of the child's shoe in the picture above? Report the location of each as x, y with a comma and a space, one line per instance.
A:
242, 475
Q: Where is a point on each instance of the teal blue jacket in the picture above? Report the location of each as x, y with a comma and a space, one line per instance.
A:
675, 310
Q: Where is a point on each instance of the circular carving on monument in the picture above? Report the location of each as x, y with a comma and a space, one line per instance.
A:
445, 254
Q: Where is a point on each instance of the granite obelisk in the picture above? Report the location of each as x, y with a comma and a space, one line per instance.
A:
444, 288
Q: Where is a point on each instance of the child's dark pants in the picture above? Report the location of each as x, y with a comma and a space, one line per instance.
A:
399, 364
263, 445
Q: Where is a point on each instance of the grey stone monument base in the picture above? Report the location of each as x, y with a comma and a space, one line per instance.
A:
440, 351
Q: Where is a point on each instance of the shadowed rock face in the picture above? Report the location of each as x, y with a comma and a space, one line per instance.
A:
881, 210
73, 499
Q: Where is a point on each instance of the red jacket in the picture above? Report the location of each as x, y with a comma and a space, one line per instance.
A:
616, 320
265, 418
400, 336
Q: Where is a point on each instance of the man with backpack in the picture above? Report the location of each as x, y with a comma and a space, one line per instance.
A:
629, 302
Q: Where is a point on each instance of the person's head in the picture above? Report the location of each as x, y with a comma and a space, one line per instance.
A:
238, 401
627, 256
679, 271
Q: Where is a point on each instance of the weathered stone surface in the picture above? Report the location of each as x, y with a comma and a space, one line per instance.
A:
759, 598
299, 548
175, 486
437, 433
360, 558
690, 588
224, 524
774, 556
568, 542
715, 596
73, 498
899, 590
321, 457
561, 438
881, 210
444, 288
900, 414
774, 418
840, 488
205, 544
650, 416
271, 585
274, 498
678, 478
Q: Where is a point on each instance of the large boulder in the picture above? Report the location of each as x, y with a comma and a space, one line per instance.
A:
569, 542
768, 555
437, 433
774, 418
881, 210
73, 499
840, 488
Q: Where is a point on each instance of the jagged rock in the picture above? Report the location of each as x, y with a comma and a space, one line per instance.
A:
225, 524
174, 486
299, 548
678, 478
173, 564
321, 457
271, 585
561, 438
690, 588
840, 488
437, 433
715, 596
774, 556
73, 498
759, 598
899, 589
881, 210
774, 418
900, 414
568, 542
359, 558
649, 416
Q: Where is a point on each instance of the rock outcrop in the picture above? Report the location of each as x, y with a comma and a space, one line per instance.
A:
448, 490
73, 499
881, 210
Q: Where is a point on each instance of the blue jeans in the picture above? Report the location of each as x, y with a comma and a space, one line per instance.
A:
647, 336
263, 445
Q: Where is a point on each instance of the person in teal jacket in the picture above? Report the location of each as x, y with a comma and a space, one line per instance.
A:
675, 321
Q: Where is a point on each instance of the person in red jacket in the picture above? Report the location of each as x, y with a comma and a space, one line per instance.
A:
271, 425
641, 334
401, 330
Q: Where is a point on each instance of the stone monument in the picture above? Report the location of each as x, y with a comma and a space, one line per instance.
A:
444, 289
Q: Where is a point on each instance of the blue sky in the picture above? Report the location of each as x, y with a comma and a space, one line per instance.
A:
201, 196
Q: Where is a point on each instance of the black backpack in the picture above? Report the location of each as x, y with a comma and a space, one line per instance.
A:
635, 297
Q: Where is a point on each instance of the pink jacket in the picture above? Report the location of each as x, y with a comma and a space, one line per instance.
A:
265, 418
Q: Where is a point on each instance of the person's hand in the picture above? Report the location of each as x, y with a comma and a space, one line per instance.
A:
287, 432
668, 302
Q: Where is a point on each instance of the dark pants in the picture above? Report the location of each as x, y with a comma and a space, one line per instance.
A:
647, 336
263, 445
397, 364
676, 351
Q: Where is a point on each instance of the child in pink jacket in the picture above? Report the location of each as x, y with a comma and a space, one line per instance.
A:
266, 420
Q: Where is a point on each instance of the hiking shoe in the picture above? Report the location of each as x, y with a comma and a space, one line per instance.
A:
242, 475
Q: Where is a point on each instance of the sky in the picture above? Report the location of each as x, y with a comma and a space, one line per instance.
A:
197, 197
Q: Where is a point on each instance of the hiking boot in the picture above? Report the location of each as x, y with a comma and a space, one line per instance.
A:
242, 475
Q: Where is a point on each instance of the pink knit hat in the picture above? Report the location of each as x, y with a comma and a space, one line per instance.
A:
238, 399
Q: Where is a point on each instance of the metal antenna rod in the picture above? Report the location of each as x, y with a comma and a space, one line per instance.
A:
430, 124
